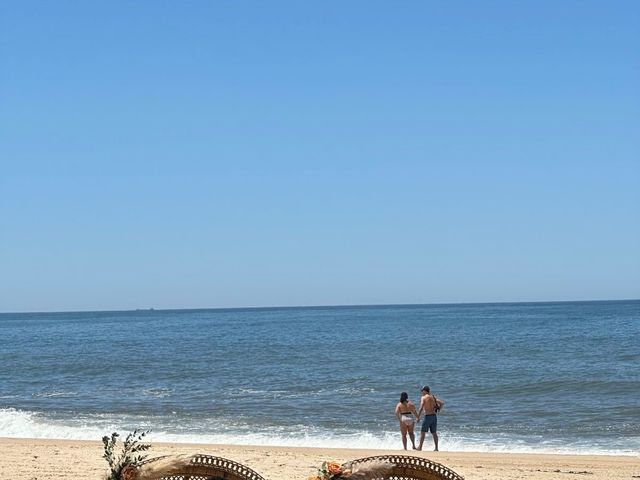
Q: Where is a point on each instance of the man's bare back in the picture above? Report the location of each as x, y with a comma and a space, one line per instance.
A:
428, 404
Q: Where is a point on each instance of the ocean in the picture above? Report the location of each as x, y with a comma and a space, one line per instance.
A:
522, 377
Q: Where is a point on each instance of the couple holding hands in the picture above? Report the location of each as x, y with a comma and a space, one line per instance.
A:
406, 410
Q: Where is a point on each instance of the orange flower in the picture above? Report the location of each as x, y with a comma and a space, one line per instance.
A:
334, 468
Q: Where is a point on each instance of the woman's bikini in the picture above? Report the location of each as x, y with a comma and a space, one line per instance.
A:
407, 417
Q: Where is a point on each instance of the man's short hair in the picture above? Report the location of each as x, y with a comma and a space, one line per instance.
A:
426, 389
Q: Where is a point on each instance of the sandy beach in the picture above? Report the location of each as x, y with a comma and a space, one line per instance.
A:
36, 459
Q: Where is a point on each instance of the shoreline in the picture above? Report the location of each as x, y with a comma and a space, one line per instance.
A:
49, 459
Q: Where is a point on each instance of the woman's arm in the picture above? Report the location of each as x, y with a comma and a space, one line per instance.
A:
421, 407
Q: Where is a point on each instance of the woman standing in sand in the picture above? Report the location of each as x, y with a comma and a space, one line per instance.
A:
406, 414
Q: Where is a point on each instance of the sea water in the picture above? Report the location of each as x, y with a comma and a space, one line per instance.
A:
534, 377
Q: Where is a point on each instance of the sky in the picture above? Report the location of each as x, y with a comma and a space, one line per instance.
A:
204, 154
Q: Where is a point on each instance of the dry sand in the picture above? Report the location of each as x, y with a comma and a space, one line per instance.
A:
34, 459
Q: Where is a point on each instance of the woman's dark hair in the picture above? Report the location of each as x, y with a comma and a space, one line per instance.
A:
404, 397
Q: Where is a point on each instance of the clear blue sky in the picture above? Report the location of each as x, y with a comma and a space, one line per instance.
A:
222, 153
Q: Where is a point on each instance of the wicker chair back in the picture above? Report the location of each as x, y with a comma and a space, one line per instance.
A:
411, 468
208, 467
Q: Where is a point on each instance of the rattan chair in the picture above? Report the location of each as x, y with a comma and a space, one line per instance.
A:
411, 468
199, 467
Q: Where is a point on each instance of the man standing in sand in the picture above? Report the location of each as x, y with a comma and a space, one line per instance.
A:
429, 405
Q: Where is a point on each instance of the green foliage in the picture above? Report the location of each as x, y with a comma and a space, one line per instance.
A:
130, 452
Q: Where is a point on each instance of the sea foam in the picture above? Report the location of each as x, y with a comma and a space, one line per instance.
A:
24, 424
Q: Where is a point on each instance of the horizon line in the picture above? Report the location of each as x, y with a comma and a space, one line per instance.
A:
281, 307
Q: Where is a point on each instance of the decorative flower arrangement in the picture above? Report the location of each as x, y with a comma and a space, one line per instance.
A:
330, 471
119, 464
373, 469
